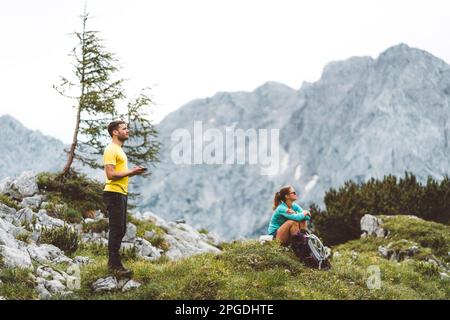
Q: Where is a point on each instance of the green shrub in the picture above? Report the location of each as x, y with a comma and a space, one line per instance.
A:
56, 209
340, 221
97, 226
64, 238
203, 230
8, 201
73, 216
77, 191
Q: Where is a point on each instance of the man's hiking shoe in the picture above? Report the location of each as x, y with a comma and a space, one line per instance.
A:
120, 271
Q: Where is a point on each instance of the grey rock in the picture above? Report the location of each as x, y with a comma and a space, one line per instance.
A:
54, 286
15, 258
265, 238
26, 185
42, 291
47, 253
8, 240
5, 210
24, 216
130, 233
32, 202
385, 252
444, 276
6, 185
48, 221
183, 239
146, 250
82, 260
47, 273
2, 298
395, 254
99, 215
371, 225
131, 285
434, 262
105, 284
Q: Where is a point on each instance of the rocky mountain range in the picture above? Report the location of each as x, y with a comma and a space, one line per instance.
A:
363, 118
24, 149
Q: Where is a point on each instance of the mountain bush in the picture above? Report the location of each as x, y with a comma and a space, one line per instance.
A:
77, 191
340, 221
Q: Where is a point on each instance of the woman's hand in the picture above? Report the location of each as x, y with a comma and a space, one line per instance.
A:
307, 213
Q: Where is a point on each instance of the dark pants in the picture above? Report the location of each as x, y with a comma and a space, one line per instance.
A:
116, 206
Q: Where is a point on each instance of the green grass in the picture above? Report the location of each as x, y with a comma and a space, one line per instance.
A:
428, 234
17, 284
249, 270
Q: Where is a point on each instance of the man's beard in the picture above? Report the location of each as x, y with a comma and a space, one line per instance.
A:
122, 138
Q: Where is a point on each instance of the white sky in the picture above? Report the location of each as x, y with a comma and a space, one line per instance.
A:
193, 49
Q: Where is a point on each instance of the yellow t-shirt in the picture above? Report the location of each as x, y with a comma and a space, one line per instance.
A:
114, 155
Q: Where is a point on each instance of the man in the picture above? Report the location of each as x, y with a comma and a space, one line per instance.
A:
115, 193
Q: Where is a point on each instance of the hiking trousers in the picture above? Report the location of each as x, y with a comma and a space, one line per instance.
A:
116, 207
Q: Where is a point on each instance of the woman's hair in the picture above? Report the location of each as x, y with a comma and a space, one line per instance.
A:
281, 196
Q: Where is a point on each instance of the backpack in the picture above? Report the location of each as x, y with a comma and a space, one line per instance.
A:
310, 250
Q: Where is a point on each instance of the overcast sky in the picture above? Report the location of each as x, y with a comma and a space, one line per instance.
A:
193, 49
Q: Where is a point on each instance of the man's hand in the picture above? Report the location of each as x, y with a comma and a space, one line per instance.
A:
137, 171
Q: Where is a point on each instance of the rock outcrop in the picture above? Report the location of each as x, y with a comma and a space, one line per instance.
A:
20, 245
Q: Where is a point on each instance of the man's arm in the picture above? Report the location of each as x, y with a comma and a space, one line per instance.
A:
112, 174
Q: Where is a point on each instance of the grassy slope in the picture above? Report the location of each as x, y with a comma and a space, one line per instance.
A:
248, 270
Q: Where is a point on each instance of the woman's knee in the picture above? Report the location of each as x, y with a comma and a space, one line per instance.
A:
288, 224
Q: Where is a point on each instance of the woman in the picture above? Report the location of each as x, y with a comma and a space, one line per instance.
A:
288, 218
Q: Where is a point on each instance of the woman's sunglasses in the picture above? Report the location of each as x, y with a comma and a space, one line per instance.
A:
293, 193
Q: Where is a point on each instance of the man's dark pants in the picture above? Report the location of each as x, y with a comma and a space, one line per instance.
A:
116, 206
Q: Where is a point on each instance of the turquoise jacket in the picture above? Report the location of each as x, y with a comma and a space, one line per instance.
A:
280, 216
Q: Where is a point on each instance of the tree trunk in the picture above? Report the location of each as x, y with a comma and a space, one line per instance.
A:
73, 146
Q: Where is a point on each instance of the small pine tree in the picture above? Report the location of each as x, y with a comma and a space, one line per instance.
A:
97, 93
